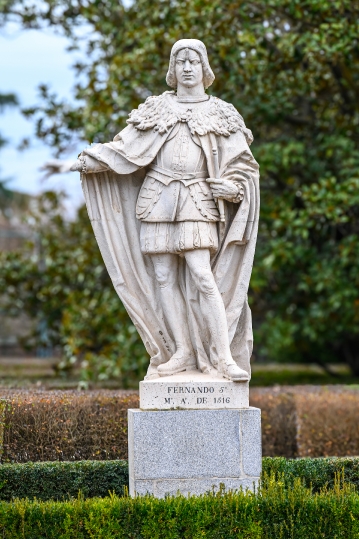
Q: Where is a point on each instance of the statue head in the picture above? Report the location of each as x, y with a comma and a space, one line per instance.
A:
185, 49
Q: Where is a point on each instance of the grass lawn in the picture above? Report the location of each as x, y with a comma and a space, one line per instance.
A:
296, 374
40, 372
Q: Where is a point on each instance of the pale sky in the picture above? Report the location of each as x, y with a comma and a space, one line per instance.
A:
27, 59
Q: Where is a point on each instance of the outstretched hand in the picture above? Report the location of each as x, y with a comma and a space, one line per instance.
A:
76, 166
223, 188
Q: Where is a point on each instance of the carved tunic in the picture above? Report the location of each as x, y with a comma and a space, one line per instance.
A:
175, 188
175, 204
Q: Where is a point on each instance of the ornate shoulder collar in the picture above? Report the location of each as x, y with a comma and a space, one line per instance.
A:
214, 116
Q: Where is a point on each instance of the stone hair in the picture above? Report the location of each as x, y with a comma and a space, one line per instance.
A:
200, 48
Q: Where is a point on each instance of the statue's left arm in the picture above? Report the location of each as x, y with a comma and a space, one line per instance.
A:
231, 185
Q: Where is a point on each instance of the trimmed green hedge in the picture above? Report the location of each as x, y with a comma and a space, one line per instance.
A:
278, 512
317, 472
62, 480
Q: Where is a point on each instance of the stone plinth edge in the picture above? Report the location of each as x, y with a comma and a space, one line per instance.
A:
193, 451
193, 391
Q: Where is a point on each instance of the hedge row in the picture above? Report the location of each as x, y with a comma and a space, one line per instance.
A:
63, 480
308, 421
316, 473
69, 425
64, 425
276, 513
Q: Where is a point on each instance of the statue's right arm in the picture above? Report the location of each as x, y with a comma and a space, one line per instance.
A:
88, 165
102, 157
76, 166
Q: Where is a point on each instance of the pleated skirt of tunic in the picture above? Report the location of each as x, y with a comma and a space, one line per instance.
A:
177, 237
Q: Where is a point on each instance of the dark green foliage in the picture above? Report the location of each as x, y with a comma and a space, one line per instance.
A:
291, 67
59, 280
222, 517
6, 100
62, 480
277, 512
315, 473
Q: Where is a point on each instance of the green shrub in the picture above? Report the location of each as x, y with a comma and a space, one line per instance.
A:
60, 480
308, 421
277, 512
291, 67
302, 421
64, 425
316, 473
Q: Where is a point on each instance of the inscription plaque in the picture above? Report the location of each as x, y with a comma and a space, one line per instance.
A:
193, 391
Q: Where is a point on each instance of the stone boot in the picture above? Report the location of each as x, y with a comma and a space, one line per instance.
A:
235, 373
176, 365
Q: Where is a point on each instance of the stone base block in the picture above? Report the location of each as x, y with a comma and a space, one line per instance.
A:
193, 390
192, 451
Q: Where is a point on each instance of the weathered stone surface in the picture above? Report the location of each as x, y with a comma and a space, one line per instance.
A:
251, 442
191, 450
193, 390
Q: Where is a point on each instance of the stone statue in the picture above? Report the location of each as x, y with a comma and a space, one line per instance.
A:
174, 203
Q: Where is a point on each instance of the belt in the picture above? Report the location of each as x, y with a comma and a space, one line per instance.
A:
167, 176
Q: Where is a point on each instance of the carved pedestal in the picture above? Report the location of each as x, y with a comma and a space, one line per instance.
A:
204, 435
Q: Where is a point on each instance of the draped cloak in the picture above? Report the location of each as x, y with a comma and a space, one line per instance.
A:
111, 190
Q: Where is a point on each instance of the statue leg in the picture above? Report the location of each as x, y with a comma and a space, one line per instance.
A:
214, 313
174, 309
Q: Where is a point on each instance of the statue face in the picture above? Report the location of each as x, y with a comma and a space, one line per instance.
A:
189, 71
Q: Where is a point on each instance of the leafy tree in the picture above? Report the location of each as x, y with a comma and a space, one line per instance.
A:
291, 67
6, 100
59, 279
10, 200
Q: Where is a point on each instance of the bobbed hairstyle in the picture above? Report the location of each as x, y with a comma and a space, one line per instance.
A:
200, 48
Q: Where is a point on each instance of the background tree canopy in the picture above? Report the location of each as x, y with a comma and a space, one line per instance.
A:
6, 100
291, 67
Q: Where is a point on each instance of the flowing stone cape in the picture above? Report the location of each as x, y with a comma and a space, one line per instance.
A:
115, 172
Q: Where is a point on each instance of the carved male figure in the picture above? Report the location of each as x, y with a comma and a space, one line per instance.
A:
153, 196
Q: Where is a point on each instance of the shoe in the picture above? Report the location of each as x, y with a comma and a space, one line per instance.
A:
176, 365
235, 373
152, 373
